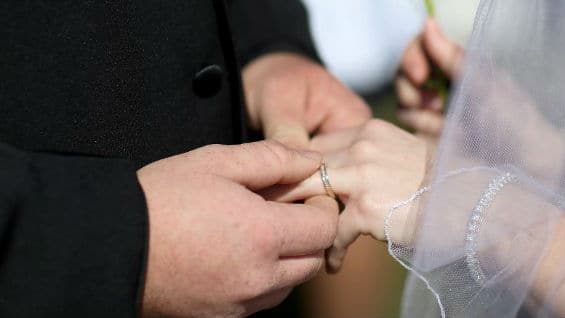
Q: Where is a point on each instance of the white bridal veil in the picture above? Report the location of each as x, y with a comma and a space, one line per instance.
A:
482, 240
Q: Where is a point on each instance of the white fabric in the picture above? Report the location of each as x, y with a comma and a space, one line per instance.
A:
456, 18
362, 41
480, 231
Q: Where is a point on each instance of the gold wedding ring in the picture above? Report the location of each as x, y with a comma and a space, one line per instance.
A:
326, 181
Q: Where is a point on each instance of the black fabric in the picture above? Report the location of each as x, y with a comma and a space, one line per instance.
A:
111, 85
72, 236
264, 26
114, 78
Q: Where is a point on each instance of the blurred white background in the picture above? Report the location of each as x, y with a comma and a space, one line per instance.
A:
361, 41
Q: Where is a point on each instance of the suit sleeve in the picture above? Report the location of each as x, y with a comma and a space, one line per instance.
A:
265, 26
73, 236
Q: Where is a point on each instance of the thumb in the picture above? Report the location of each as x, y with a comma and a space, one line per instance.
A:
287, 131
262, 164
443, 52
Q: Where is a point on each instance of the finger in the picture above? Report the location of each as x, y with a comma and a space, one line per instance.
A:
312, 186
345, 110
336, 140
333, 107
408, 94
268, 300
414, 64
445, 53
348, 231
282, 113
262, 164
289, 132
424, 121
305, 229
431, 100
293, 271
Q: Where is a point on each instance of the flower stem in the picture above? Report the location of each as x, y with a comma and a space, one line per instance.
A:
430, 8
437, 82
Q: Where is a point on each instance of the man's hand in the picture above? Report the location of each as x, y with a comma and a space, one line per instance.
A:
290, 98
216, 248
371, 167
422, 108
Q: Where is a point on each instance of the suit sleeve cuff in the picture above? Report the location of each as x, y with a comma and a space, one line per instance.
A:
268, 26
78, 237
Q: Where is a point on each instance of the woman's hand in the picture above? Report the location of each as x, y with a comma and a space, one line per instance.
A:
422, 107
371, 168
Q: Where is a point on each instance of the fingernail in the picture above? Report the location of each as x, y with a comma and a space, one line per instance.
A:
333, 265
310, 154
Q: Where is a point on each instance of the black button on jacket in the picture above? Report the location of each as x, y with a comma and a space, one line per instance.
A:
208, 81
89, 92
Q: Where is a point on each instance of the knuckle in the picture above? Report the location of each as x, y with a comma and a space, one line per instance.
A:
210, 156
315, 72
213, 149
362, 150
276, 153
373, 127
314, 268
367, 205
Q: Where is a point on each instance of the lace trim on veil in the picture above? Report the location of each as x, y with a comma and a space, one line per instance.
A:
496, 185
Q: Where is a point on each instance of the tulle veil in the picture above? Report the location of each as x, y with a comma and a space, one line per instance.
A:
482, 234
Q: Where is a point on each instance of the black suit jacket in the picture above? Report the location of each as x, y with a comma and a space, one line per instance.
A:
89, 92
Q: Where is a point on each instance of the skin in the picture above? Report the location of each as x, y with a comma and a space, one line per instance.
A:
542, 228
422, 109
210, 256
261, 249
544, 283
292, 99
375, 165
371, 167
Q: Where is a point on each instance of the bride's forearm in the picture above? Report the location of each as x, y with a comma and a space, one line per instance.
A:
549, 282
536, 243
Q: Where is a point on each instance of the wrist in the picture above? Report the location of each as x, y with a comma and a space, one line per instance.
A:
149, 300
